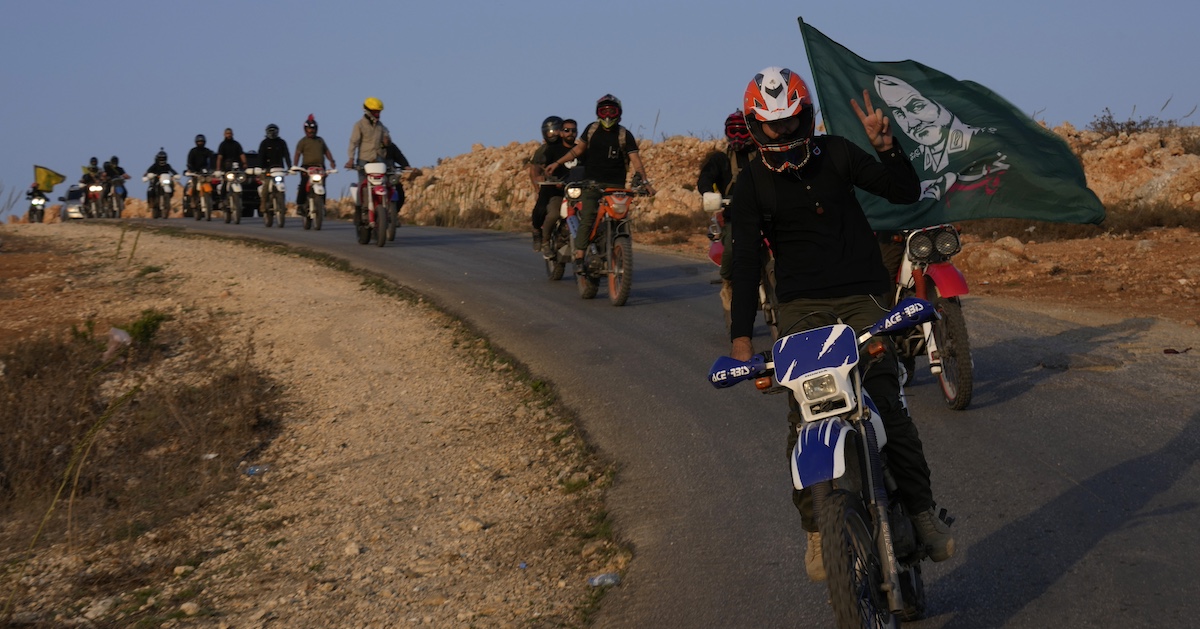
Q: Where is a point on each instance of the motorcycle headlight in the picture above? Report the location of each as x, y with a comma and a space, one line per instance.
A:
317, 178
574, 192
946, 242
920, 246
278, 180
39, 202
95, 188
820, 387
230, 176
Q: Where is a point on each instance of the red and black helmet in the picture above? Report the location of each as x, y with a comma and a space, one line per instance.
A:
776, 95
311, 123
608, 110
736, 131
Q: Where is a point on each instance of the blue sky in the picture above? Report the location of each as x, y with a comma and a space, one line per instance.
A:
86, 79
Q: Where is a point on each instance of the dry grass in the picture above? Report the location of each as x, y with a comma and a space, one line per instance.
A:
113, 448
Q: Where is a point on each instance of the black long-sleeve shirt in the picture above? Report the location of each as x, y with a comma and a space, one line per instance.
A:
824, 246
274, 152
200, 158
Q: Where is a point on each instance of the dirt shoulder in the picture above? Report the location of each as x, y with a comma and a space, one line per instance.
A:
418, 477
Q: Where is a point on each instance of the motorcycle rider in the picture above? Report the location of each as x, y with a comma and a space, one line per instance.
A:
800, 193
718, 174
314, 152
34, 192
551, 149
273, 152
159, 167
230, 152
606, 165
199, 159
116, 176
570, 129
369, 140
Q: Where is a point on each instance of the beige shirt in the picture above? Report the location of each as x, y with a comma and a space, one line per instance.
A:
369, 140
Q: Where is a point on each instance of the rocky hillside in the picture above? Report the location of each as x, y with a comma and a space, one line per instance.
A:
1158, 168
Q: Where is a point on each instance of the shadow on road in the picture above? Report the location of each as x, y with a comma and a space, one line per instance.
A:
1040, 358
1038, 550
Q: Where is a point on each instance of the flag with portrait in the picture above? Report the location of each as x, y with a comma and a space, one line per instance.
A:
976, 154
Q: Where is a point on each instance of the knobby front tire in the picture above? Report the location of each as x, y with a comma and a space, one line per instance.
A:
957, 379
852, 564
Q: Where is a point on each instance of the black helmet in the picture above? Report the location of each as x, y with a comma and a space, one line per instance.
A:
161, 157
551, 127
311, 123
93, 161
114, 160
272, 131
605, 103
200, 139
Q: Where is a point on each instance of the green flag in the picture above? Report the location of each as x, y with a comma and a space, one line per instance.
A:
976, 154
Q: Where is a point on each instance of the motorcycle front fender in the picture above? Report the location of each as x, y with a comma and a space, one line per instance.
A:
820, 452
950, 281
318, 189
235, 187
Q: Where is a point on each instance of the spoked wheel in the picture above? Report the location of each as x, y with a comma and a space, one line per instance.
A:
318, 211
620, 271
852, 563
958, 371
280, 205
393, 222
588, 286
381, 225
362, 229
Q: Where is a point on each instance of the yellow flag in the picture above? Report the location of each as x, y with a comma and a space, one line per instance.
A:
46, 179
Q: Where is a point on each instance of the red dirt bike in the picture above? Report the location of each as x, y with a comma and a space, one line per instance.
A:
375, 204
926, 272
610, 243
715, 204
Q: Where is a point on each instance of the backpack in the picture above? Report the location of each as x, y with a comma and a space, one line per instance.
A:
622, 134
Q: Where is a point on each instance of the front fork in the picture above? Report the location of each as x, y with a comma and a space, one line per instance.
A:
921, 288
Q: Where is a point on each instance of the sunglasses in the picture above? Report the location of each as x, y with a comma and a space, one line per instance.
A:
571, 130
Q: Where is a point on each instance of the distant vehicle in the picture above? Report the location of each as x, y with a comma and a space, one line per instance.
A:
72, 204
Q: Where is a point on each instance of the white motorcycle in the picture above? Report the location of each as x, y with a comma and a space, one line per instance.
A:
374, 210
164, 187
274, 199
313, 211
869, 545
231, 192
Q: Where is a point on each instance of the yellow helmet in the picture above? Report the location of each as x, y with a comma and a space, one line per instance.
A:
373, 104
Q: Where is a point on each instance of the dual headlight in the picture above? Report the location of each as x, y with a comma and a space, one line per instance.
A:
934, 244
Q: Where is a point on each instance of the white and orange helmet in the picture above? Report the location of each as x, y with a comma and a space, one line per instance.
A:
776, 94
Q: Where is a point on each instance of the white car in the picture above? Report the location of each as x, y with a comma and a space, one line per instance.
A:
72, 204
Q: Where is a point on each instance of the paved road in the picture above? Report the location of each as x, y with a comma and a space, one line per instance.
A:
1073, 474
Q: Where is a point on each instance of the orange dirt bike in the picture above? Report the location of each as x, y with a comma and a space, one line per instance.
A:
715, 204
610, 243
198, 194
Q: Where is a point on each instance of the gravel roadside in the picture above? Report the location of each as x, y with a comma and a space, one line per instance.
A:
418, 477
